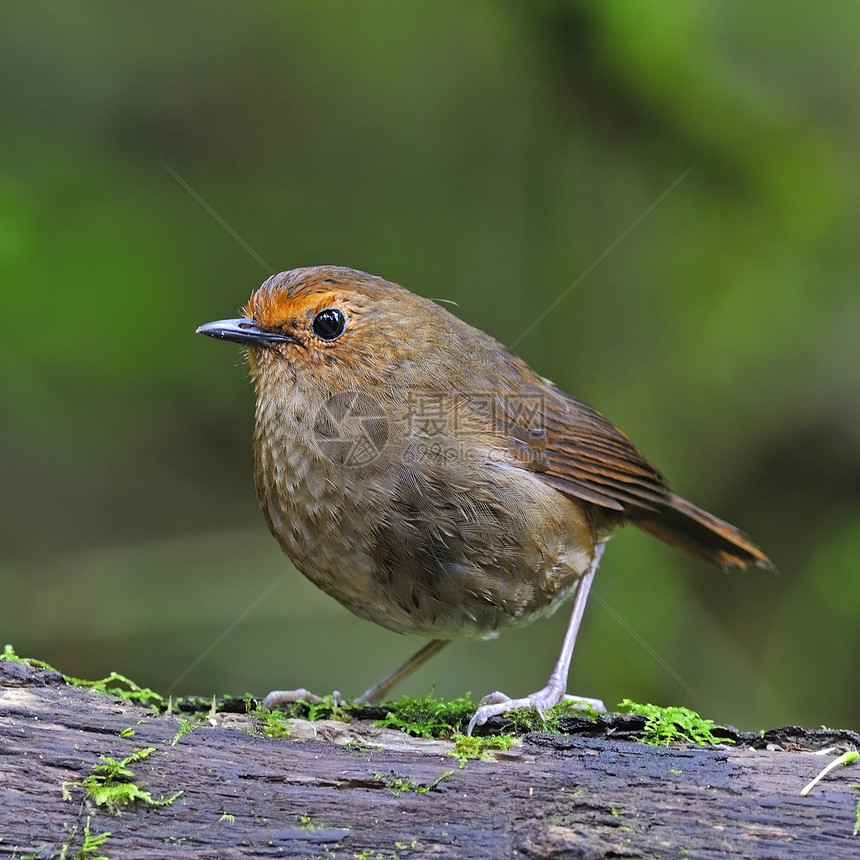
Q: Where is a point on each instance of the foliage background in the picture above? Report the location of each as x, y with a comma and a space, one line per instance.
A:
489, 153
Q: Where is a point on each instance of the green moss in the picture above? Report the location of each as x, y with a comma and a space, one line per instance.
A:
469, 746
524, 720
122, 687
270, 723
427, 717
92, 843
9, 654
185, 726
325, 709
373, 854
306, 822
397, 783
664, 726
112, 785
113, 685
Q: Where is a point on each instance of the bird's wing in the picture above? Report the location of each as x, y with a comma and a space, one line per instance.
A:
572, 447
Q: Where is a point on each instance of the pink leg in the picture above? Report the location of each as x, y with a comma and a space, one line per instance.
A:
375, 693
554, 691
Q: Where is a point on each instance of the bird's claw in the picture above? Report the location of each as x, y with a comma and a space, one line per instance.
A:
290, 697
496, 704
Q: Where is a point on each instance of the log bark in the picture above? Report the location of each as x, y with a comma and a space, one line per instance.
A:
345, 790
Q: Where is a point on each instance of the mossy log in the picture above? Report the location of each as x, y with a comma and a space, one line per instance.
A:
346, 790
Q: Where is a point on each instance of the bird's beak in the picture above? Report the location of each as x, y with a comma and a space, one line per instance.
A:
244, 331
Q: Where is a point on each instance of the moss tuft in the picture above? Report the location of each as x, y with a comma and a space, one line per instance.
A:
664, 726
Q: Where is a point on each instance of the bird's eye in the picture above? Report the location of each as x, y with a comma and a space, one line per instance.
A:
329, 324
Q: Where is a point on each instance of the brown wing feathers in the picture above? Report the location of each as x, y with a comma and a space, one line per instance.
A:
590, 459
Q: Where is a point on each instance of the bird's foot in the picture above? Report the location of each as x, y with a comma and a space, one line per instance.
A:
585, 703
496, 704
290, 697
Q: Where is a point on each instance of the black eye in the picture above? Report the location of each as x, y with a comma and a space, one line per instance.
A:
329, 324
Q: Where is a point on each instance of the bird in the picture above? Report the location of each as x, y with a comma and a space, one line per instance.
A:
426, 477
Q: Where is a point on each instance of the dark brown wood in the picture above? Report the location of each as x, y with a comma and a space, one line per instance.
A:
245, 795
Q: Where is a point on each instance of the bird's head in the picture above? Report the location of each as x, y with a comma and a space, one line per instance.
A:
338, 329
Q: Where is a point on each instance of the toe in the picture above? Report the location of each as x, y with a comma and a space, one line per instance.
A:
289, 697
496, 698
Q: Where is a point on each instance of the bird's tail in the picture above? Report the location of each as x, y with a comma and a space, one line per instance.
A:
702, 535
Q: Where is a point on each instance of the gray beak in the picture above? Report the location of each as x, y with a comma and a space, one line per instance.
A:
244, 331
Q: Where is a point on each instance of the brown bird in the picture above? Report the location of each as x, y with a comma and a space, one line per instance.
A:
427, 478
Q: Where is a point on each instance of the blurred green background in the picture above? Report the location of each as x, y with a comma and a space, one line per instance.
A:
487, 153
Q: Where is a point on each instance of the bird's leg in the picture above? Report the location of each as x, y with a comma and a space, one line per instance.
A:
369, 697
498, 703
419, 658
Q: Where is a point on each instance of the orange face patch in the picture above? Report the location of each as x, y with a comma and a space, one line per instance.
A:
277, 308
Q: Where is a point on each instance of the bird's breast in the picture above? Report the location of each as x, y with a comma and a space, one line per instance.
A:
408, 525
